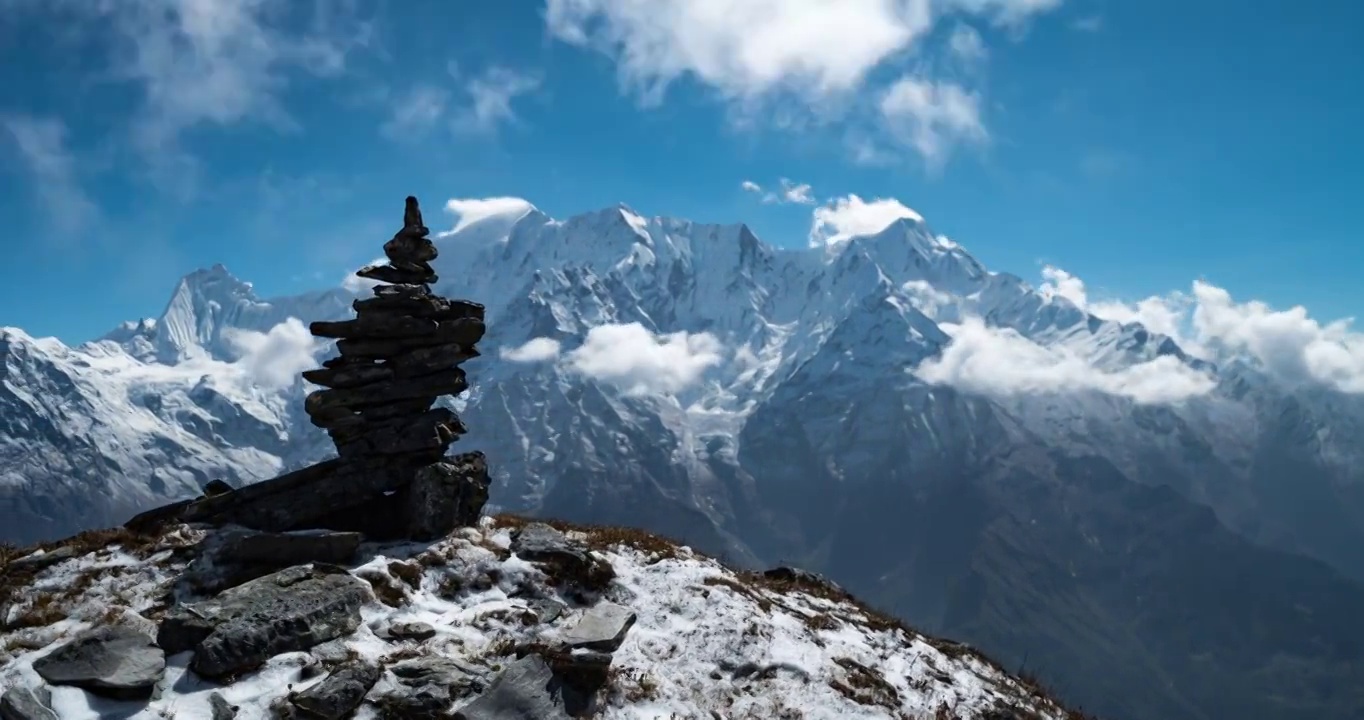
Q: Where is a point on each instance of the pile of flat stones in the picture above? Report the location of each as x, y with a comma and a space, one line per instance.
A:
392, 478
400, 353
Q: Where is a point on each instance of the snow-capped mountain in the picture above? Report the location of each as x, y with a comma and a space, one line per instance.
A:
778, 408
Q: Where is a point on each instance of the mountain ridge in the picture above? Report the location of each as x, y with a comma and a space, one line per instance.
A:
783, 410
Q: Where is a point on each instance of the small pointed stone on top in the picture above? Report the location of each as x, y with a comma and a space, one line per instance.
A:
412, 219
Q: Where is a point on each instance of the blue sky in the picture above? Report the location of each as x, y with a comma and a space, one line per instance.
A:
1139, 146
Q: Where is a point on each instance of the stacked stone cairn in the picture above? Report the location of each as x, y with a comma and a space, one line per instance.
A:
400, 353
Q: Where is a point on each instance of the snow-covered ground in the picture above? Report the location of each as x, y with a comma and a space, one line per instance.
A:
708, 641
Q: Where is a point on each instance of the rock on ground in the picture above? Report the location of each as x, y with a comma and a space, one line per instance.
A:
291, 610
111, 660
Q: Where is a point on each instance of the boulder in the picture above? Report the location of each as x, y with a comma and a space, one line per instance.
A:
603, 627
21, 703
219, 708
113, 661
291, 610
561, 558
340, 693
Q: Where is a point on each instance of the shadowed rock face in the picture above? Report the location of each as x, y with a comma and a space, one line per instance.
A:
397, 357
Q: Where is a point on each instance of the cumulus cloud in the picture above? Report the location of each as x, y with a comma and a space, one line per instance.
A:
534, 350
468, 211
642, 363
1001, 362
850, 216
1207, 322
932, 117
817, 55
750, 186
42, 146
273, 359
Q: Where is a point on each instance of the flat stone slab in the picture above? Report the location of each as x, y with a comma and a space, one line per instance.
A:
114, 661
523, 691
292, 610
603, 627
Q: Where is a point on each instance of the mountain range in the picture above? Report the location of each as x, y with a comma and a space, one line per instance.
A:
1149, 551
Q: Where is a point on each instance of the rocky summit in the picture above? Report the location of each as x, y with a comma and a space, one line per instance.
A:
508, 619
400, 353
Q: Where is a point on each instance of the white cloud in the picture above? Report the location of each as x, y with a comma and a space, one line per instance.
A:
471, 210
416, 113
1208, 323
1287, 343
811, 48
42, 146
798, 59
932, 117
273, 359
850, 216
1001, 362
490, 99
790, 192
967, 45
213, 63
642, 363
534, 350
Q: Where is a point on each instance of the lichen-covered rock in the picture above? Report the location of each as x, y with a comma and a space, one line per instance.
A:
291, 610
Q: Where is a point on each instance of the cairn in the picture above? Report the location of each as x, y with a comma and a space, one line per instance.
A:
392, 478
400, 353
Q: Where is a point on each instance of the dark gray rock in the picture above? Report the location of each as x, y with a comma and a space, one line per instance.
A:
234, 555
546, 610
217, 486
445, 382
561, 558
407, 248
447, 495
340, 692
457, 678
603, 627
220, 708
427, 686
411, 631
400, 273
806, 578
425, 702
113, 661
453, 332
524, 691
291, 610
21, 703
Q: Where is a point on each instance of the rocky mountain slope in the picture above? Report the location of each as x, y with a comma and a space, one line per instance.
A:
504, 620
785, 421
